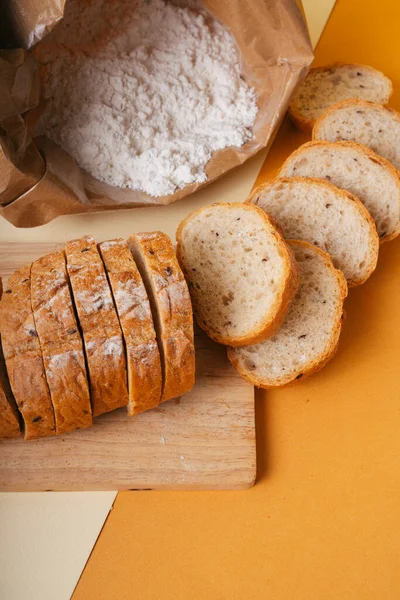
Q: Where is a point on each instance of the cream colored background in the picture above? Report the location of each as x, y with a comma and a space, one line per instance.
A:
46, 539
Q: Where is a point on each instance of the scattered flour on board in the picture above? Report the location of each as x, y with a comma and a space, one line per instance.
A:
142, 92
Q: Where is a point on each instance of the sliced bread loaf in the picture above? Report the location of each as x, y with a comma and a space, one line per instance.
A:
325, 86
134, 312
368, 123
60, 342
241, 274
310, 333
9, 416
103, 343
172, 310
357, 169
23, 356
322, 214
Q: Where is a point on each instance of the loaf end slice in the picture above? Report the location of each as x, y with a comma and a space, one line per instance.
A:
325, 86
172, 310
134, 312
60, 342
356, 168
102, 335
9, 415
368, 123
332, 219
309, 336
23, 356
241, 274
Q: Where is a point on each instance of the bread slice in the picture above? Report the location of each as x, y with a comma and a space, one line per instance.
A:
102, 336
23, 357
60, 342
242, 276
9, 419
322, 214
357, 169
368, 123
134, 312
172, 310
309, 337
325, 86
9, 416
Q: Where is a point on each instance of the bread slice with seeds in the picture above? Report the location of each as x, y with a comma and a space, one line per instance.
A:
60, 342
9, 416
102, 335
172, 310
242, 276
23, 356
368, 123
134, 312
325, 86
309, 336
322, 214
359, 170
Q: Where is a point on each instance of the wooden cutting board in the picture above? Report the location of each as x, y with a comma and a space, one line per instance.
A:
203, 440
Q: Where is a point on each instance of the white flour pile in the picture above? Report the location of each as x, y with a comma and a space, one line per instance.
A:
141, 93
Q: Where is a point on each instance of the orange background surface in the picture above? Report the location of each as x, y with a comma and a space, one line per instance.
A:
323, 521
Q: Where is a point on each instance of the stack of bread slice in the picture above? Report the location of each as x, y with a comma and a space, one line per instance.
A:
90, 329
333, 202
327, 85
276, 305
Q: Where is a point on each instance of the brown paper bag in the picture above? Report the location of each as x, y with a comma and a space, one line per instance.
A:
276, 53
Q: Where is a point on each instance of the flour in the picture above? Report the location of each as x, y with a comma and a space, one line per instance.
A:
141, 93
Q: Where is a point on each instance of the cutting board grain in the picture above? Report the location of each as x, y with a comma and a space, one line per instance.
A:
203, 440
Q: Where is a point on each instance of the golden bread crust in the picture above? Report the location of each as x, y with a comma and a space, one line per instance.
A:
23, 356
102, 335
172, 309
60, 342
134, 312
9, 416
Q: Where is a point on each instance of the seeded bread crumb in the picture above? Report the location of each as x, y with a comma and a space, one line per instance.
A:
326, 216
356, 168
368, 123
325, 86
309, 336
242, 276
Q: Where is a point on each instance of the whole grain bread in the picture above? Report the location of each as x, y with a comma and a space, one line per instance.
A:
60, 342
309, 336
368, 123
23, 356
9, 416
172, 310
322, 214
241, 274
103, 343
134, 312
359, 170
325, 86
